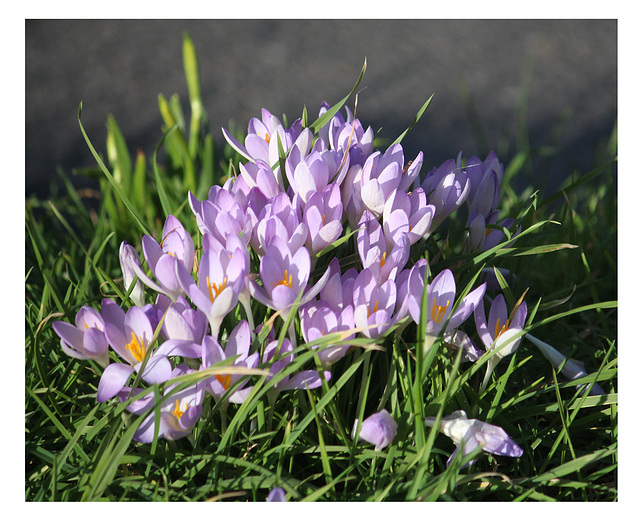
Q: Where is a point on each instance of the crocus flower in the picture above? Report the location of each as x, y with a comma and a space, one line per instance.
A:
488, 173
86, 340
221, 277
279, 218
284, 276
263, 135
314, 172
384, 173
130, 338
379, 429
374, 304
407, 214
441, 293
383, 257
483, 238
277, 495
183, 328
280, 359
570, 368
502, 333
175, 248
128, 259
220, 215
179, 411
341, 133
446, 187
237, 347
468, 434
322, 216
318, 319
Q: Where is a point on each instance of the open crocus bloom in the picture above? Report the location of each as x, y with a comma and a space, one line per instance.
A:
221, 278
131, 339
179, 411
237, 347
379, 429
441, 293
468, 434
502, 333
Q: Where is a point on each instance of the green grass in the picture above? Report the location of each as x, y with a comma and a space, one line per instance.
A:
565, 261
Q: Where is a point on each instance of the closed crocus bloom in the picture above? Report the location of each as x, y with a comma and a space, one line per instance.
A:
322, 216
407, 214
374, 304
381, 175
446, 187
183, 328
379, 429
477, 170
176, 247
468, 434
85, 340
279, 218
277, 495
318, 319
128, 259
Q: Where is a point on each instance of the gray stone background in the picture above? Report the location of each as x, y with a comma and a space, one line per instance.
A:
565, 69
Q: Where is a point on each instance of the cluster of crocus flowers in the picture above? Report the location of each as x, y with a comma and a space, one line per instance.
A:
265, 241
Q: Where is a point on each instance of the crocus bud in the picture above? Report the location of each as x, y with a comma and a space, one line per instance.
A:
378, 429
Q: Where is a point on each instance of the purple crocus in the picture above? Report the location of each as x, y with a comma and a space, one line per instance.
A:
128, 259
183, 327
280, 359
441, 293
86, 340
502, 333
277, 495
221, 277
322, 216
446, 187
179, 412
318, 319
379, 429
130, 337
341, 133
468, 434
407, 214
374, 304
284, 276
384, 173
481, 237
279, 218
237, 347
176, 247
383, 257
314, 172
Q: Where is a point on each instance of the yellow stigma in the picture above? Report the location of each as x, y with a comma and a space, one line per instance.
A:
437, 312
225, 380
267, 138
136, 347
500, 330
178, 412
215, 289
375, 309
287, 280
383, 260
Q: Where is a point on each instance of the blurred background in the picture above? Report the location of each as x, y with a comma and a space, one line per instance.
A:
503, 85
